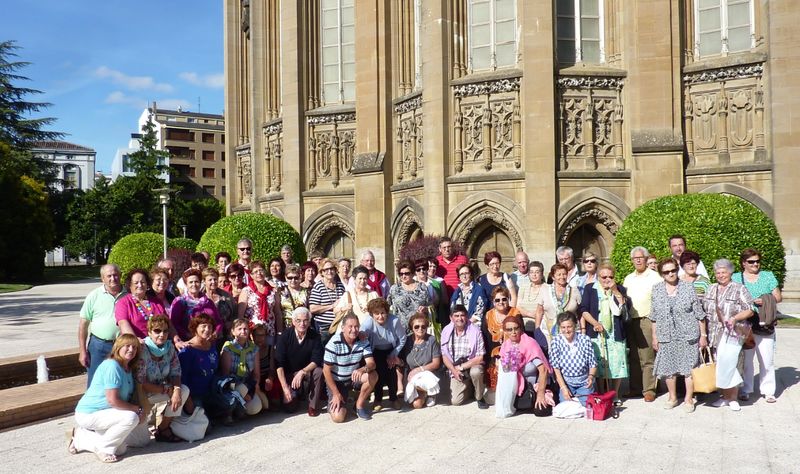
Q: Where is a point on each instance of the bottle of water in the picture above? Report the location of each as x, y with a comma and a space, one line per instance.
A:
589, 411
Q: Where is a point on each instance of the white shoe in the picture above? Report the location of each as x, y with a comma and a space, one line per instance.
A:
721, 402
734, 406
430, 401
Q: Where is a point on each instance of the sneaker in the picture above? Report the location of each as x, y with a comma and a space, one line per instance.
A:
734, 406
482, 404
364, 414
744, 396
430, 401
721, 402
670, 404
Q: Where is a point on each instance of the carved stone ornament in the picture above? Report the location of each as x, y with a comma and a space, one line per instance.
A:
582, 217
331, 118
246, 17
408, 105
410, 221
321, 232
589, 82
488, 87
467, 233
725, 74
273, 129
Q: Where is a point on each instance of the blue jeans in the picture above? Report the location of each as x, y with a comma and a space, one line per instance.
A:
577, 386
98, 352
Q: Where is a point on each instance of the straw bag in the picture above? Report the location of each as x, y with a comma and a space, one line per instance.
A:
704, 376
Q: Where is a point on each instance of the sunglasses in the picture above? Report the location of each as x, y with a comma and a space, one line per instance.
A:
158, 331
607, 277
514, 329
235, 276
589, 260
245, 249
293, 278
668, 272
753, 262
500, 300
405, 273
420, 326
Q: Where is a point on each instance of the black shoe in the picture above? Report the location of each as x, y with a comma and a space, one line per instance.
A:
482, 404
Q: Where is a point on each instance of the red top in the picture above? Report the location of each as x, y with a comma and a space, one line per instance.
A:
449, 271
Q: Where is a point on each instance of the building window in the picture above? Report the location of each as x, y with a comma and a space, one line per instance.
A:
222, 139
191, 171
338, 51
223, 172
208, 172
180, 135
208, 137
223, 190
126, 164
492, 34
208, 190
208, 155
72, 177
579, 31
181, 152
723, 26
223, 156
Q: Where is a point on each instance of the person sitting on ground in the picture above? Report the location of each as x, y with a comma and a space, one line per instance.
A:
522, 353
298, 359
105, 415
266, 361
159, 375
386, 337
493, 335
470, 295
134, 309
422, 357
240, 360
199, 361
98, 326
191, 304
462, 353
573, 361
494, 277
349, 365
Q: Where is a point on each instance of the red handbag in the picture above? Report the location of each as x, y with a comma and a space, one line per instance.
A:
602, 404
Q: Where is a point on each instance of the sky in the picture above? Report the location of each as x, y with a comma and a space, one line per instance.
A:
100, 62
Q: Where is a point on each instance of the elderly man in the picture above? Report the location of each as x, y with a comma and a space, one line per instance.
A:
298, 358
97, 327
349, 365
447, 265
168, 265
462, 353
639, 329
377, 280
520, 275
287, 255
566, 257
244, 250
677, 245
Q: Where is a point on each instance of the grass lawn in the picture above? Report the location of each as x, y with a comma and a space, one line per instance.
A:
789, 322
56, 275
11, 287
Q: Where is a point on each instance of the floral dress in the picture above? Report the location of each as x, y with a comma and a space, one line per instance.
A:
290, 300
252, 312
405, 303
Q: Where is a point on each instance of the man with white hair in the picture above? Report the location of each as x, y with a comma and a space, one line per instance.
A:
565, 256
298, 359
377, 280
520, 275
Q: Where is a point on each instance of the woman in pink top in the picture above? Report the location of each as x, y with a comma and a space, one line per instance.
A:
133, 310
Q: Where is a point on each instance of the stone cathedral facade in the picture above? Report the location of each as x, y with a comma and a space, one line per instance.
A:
507, 124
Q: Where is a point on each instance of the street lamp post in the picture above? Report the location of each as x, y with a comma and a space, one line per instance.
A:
163, 199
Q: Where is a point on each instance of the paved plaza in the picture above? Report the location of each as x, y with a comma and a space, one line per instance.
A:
760, 438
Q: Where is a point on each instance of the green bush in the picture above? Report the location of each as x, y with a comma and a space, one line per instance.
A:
182, 243
267, 232
715, 226
141, 250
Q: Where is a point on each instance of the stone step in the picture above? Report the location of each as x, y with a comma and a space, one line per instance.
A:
23, 368
21, 405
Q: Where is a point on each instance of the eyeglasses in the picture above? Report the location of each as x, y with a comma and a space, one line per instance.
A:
158, 331
637, 258
293, 278
465, 274
405, 274
607, 277
420, 326
589, 260
235, 276
329, 269
514, 329
753, 262
500, 300
245, 249
256, 271
302, 321
668, 272
421, 269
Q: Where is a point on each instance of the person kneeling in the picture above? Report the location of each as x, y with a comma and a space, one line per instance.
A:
342, 353
299, 362
462, 353
240, 360
573, 360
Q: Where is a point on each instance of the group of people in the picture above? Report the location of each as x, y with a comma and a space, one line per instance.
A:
232, 337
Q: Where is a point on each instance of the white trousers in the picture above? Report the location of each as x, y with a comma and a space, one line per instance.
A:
161, 402
765, 350
105, 431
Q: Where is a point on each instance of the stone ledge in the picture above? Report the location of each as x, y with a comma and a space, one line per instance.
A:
36, 402
486, 177
728, 169
24, 367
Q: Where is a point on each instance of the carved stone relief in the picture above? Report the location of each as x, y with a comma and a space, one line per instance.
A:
331, 148
321, 233
244, 174
585, 216
468, 235
273, 153
408, 117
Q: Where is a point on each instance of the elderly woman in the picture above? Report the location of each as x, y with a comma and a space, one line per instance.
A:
558, 297
188, 306
159, 374
573, 360
324, 296
652, 263
343, 266
159, 289
258, 303
134, 308
440, 299
529, 296
422, 357
407, 296
277, 274
602, 307
470, 295
292, 294
357, 296
226, 306
105, 415
309, 273
493, 334
522, 354
386, 336
240, 359
494, 277
199, 361
763, 288
728, 307
689, 261
236, 275
678, 329
434, 286
589, 276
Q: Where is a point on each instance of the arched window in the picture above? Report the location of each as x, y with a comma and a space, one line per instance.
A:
338, 51
492, 34
579, 31
723, 26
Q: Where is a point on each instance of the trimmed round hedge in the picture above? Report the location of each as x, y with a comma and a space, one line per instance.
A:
182, 243
714, 225
141, 250
267, 232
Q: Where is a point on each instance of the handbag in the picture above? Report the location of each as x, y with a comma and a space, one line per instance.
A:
601, 404
339, 313
704, 376
190, 427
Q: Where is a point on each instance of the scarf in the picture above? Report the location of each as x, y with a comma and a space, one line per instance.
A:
374, 282
263, 307
242, 369
606, 318
155, 350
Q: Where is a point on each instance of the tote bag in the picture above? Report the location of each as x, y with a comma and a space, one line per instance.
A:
704, 376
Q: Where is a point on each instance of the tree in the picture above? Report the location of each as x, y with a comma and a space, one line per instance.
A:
148, 162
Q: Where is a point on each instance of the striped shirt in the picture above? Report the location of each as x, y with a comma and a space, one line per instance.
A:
344, 359
322, 295
573, 360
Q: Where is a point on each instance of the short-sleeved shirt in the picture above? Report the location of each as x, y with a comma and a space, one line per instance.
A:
417, 355
765, 284
575, 359
98, 309
640, 291
128, 308
343, 359
198, 367
322, 295
109, 375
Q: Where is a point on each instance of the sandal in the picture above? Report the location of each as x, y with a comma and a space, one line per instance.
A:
107, 457
71, 446
771, 399
167, 436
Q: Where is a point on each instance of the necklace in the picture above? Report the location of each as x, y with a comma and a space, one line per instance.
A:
145, 312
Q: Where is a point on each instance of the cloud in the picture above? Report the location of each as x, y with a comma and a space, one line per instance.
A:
118, 97
214, 81
174, 104
132, 82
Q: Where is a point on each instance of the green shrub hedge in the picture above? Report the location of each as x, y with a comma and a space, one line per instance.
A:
715, 226
182, 243
267, 232
141, 250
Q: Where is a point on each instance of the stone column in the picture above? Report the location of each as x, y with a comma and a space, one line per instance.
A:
538, 94
257, 85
